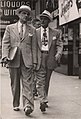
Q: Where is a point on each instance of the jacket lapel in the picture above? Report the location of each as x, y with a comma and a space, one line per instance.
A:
50, 38
39, 37
15, 30
27, 31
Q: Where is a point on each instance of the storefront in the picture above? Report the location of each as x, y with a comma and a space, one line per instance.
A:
70, 22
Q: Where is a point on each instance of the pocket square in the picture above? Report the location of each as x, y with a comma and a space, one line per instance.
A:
12, 53
30, 35
54, 37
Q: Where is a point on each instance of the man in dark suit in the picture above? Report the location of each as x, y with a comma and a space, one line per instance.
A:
36, 23
21, 62
50, 47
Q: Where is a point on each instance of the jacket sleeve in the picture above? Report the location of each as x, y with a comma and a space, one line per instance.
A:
34, 47
59, 43
6, 43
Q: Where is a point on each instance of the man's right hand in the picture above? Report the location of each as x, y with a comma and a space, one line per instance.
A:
4, 62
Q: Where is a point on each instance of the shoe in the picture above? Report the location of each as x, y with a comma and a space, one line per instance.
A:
46, 104
28, 110
43, 107
16, 108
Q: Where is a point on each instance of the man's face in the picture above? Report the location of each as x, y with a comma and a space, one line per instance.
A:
24, 16
44, 22
37, 24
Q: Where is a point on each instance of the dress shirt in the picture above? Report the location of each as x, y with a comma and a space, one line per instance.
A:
44, 48
19, 27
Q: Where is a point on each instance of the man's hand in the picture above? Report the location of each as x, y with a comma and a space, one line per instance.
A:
5, 61
57, 57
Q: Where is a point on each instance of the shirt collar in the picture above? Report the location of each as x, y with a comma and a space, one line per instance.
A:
43, 28
19, 23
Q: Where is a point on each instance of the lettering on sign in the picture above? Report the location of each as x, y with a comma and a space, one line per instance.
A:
9, 7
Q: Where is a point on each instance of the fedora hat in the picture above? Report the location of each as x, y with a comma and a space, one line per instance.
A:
47, 14
23, 8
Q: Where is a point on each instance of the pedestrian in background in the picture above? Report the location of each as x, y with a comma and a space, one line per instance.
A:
36, 22
19, 53
50, 47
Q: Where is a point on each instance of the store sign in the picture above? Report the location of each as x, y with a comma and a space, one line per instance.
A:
8, 8
69, 10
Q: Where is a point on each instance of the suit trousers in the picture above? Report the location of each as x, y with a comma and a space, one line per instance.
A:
27, 85
48, 72
26, 75
15, 85
41, 77
40, 85
47, 81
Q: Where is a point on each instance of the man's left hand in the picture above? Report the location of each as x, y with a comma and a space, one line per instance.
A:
57, 56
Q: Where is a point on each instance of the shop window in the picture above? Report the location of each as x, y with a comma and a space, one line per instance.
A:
64, 59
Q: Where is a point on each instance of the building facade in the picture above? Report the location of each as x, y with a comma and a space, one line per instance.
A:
70, 22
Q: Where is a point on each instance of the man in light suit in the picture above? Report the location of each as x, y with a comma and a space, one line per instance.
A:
21, 62
50, 47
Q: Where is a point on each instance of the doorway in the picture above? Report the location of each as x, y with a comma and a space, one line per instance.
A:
73, 45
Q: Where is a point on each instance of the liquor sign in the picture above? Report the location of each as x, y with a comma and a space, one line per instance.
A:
69, 10
8, 8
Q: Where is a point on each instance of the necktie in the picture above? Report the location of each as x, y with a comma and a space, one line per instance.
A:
44, 41
21, 32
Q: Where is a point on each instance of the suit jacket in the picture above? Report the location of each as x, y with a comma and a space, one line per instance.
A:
26, 47
55, 45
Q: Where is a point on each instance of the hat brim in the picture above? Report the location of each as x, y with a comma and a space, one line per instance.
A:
22, 9
44, 15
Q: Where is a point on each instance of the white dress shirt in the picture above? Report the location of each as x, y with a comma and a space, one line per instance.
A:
19, 27
44, 48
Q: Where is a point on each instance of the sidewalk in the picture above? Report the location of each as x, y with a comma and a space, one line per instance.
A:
64, 99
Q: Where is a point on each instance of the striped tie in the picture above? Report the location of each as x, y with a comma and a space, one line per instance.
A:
44, 41
21, 32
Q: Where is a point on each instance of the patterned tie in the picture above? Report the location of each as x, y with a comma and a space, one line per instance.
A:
21, 32
44, 40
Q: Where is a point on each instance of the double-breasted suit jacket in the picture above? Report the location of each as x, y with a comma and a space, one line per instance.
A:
11, 39
55, 45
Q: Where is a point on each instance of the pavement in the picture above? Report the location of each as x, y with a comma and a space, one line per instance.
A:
64, 99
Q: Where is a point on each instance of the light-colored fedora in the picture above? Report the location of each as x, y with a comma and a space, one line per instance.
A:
23, 8
47, 14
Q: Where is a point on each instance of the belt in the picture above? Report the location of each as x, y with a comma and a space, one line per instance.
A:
46, 52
